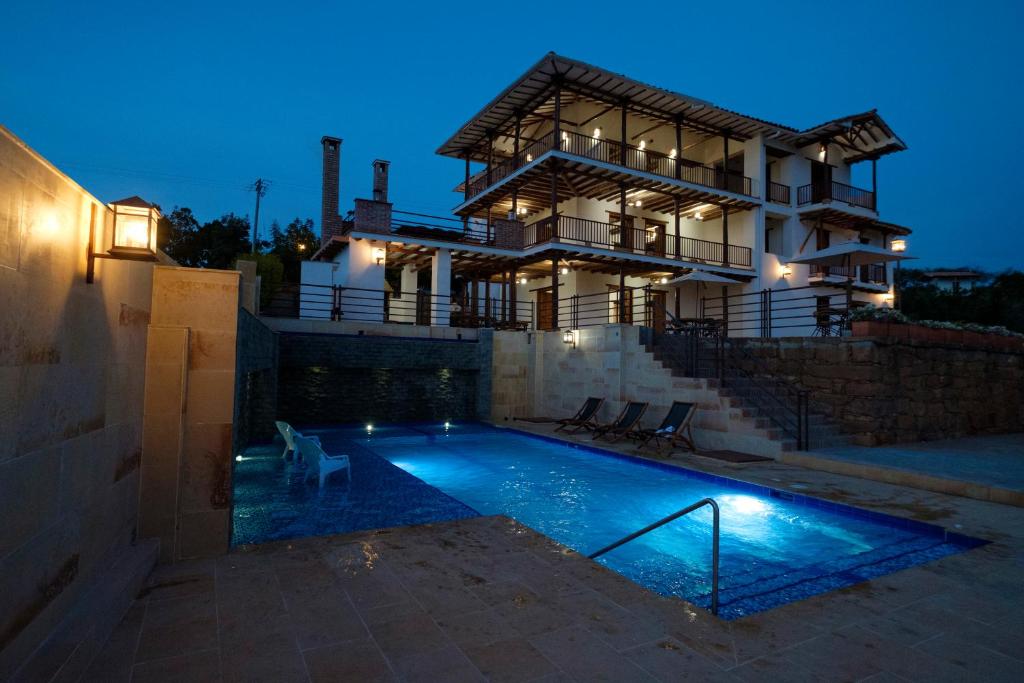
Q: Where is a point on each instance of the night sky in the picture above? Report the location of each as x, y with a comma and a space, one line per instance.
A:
187, 103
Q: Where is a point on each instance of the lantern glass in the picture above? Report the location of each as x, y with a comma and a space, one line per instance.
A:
134, 232
899, 245
567, 337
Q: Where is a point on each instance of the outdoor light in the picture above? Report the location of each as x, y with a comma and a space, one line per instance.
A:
597, 132
898, 245
302, 247
787, 270
378, 253
447, 425
369, 428
822, 150
672, 154
564, 270
888, 298
663, 281
522, 210
522, 280
133, 237
643, 145
698, 216
529, 157
569, 337
238, 458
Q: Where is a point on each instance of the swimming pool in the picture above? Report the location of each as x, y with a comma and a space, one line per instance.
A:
776, 547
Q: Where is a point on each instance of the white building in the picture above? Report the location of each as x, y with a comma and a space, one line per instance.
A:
653, 193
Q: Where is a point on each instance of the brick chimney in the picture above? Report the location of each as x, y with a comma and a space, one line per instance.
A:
330, 221
380, 180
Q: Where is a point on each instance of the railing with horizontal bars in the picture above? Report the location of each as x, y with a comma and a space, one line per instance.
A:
840, 192
778, 193
421, 307
875, 273
471, 231
612, 152
794, 312
650, 240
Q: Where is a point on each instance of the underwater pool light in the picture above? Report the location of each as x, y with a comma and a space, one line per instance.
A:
447, 424
238, 458
369, 427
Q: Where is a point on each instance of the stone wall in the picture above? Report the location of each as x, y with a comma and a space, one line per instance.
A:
255, 382
189, 408
539, 374
72, 360
883, 390
331, 378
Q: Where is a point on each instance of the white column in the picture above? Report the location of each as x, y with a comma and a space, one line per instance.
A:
404, 309
440, 287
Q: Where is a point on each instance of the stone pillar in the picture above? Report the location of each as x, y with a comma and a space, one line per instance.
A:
440, 287
404, 309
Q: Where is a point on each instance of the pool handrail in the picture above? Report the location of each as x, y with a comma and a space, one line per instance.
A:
674, 516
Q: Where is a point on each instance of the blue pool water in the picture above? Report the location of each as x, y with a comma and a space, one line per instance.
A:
775, 547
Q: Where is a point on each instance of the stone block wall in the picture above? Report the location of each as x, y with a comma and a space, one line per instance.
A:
72, 364
255, 382
882, 390
539, 374
332, 378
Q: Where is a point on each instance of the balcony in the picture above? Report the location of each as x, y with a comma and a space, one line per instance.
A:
612, 152
874, 274
646, 241
778, 193
816, 193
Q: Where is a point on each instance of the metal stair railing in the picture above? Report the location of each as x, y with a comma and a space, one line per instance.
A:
674, 516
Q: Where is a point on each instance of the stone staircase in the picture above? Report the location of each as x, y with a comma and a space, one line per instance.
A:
750, 401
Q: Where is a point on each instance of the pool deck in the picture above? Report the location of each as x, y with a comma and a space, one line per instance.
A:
982, 467
487, 598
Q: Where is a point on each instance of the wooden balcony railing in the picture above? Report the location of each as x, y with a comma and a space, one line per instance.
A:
649, 241
840, 192
611, 152
778, 193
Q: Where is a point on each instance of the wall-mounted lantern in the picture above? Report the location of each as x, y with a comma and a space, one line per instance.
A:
787, 270
133, 234
379, 254
569, 337
898, 245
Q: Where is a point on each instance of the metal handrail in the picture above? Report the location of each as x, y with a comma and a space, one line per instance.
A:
674, 516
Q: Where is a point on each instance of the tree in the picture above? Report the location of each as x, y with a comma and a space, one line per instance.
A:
296, 243
177, 235
270, 271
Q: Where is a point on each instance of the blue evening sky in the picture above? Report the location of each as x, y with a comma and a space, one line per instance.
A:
186, 103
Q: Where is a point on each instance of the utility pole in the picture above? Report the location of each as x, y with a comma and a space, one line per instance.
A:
260, 188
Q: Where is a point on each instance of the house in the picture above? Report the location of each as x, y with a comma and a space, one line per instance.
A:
588, 197
955, 281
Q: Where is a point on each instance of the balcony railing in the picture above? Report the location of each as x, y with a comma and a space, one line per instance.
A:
611, 152
647, 240
778, 193
874, 273
823, 192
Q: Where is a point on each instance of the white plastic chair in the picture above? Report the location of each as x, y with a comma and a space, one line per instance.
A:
289, 435
318, 462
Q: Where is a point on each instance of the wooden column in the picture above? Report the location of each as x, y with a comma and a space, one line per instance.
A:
515, 204
513, 286
515, 141
504, 296
490, 156
557, 144
554, 200
554, 293
725, 236
679, 242
622, 215
679, 148
488, 230
622, 135
474, 297
725, 160
465, 186
622, 296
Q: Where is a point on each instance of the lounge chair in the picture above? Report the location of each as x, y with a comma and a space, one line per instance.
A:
627, 422
289, 435
583, 419
674, 429
318, 462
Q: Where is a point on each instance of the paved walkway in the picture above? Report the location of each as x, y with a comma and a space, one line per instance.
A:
486, 598
983, 467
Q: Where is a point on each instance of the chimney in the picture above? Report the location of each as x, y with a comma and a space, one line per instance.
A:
380, 180
330, 221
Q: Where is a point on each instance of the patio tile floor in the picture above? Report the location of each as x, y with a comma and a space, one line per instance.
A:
489, 599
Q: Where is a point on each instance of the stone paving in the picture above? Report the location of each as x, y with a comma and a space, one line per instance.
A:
489, 599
